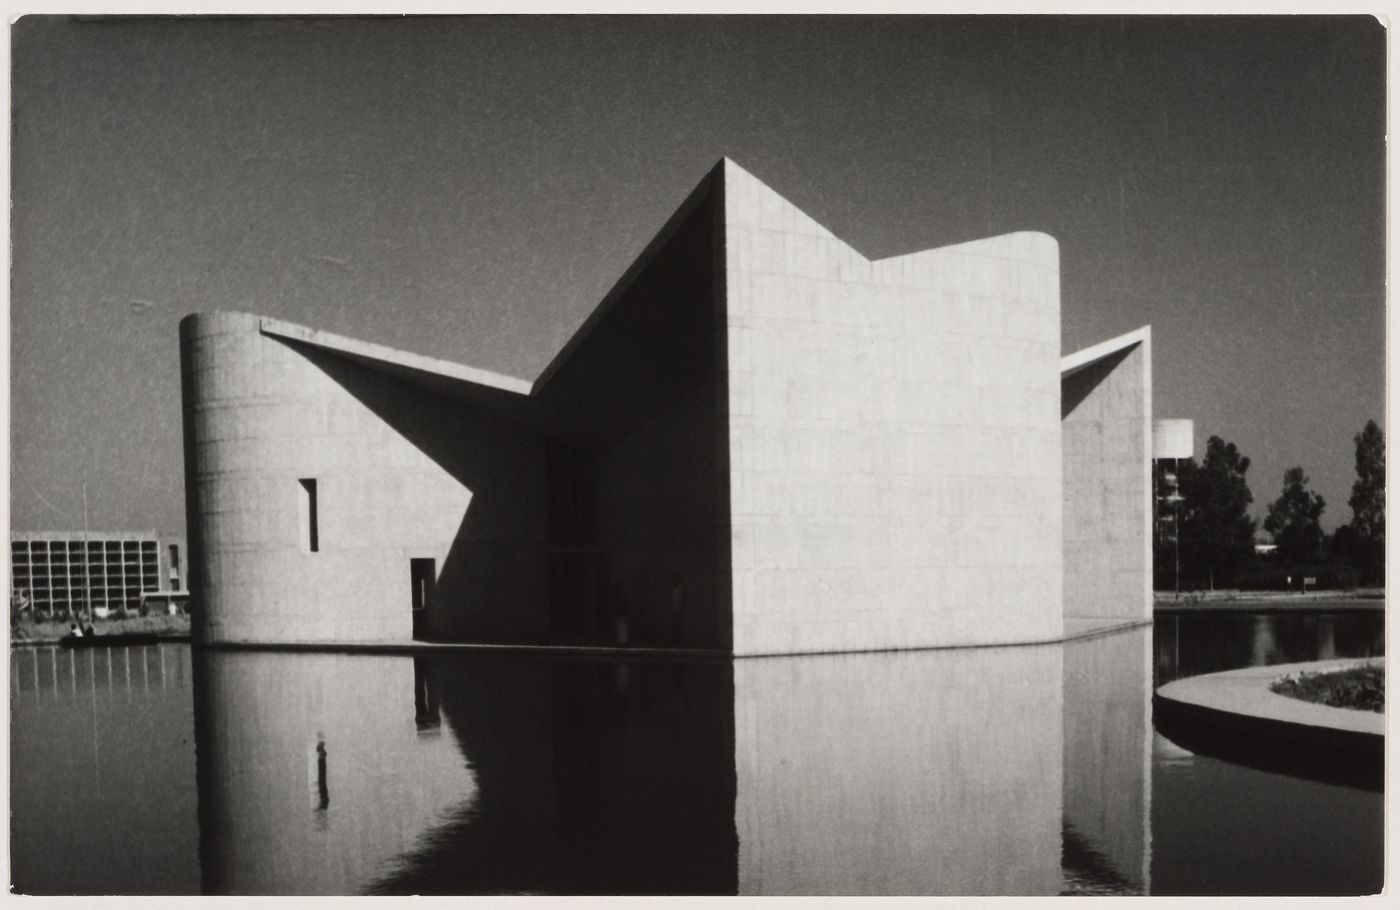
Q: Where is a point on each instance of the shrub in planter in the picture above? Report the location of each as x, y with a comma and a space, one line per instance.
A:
1358, 688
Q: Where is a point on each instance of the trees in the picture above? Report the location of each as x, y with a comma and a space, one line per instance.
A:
1294, 520
1217, 534
1367, 536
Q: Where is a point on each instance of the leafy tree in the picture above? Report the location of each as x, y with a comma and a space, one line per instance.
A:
1217, 534
1367, 537
1340, 557
1294, 520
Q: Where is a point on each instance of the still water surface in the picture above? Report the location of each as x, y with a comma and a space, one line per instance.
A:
1031, 770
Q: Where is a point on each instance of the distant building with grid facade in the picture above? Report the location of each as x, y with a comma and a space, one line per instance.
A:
63, 571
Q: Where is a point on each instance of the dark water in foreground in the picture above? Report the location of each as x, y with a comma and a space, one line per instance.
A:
1030, 770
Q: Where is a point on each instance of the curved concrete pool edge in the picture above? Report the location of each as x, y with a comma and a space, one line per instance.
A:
1237, 706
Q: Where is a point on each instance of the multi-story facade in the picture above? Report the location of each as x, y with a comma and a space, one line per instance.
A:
68, 571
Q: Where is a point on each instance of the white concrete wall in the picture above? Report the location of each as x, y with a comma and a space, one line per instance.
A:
1107, 487
261, 414
894, 436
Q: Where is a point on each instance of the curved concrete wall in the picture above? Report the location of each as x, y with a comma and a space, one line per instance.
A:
395, 470
894, 437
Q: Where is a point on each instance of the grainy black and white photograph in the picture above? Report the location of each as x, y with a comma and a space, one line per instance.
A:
728, 455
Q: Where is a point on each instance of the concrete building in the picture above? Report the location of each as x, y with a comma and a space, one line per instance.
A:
65, 571
760, 442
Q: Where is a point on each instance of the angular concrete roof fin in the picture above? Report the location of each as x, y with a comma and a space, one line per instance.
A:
1073, 363
368, 352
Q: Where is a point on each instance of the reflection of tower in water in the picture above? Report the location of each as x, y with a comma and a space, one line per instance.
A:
1326, 637
1263, 643
425, 702
268, 727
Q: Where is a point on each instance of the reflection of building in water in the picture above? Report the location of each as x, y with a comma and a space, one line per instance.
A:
425, 701
1108, 763
312, 776
943, 772
1263, 640
898, 773
760, 442
1326, 637
593, 777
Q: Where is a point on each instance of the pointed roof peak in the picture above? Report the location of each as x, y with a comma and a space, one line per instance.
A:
727, 167
749, 200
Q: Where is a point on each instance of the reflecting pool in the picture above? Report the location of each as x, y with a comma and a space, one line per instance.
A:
1025, 770
1220, 827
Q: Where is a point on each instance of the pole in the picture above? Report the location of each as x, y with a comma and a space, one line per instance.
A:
87, 570
1176, 524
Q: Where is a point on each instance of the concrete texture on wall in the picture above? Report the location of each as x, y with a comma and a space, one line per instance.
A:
587, 507
399, 472
759, 442
894, 437
1107, 424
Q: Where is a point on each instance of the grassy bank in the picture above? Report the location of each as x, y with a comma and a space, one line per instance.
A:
32, 632
1358, 688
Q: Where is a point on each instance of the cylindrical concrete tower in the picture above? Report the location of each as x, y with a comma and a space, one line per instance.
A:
310, 500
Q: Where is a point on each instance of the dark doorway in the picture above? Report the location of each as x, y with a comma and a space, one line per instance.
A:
424, 576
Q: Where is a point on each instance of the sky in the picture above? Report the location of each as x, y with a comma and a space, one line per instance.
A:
470, 189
